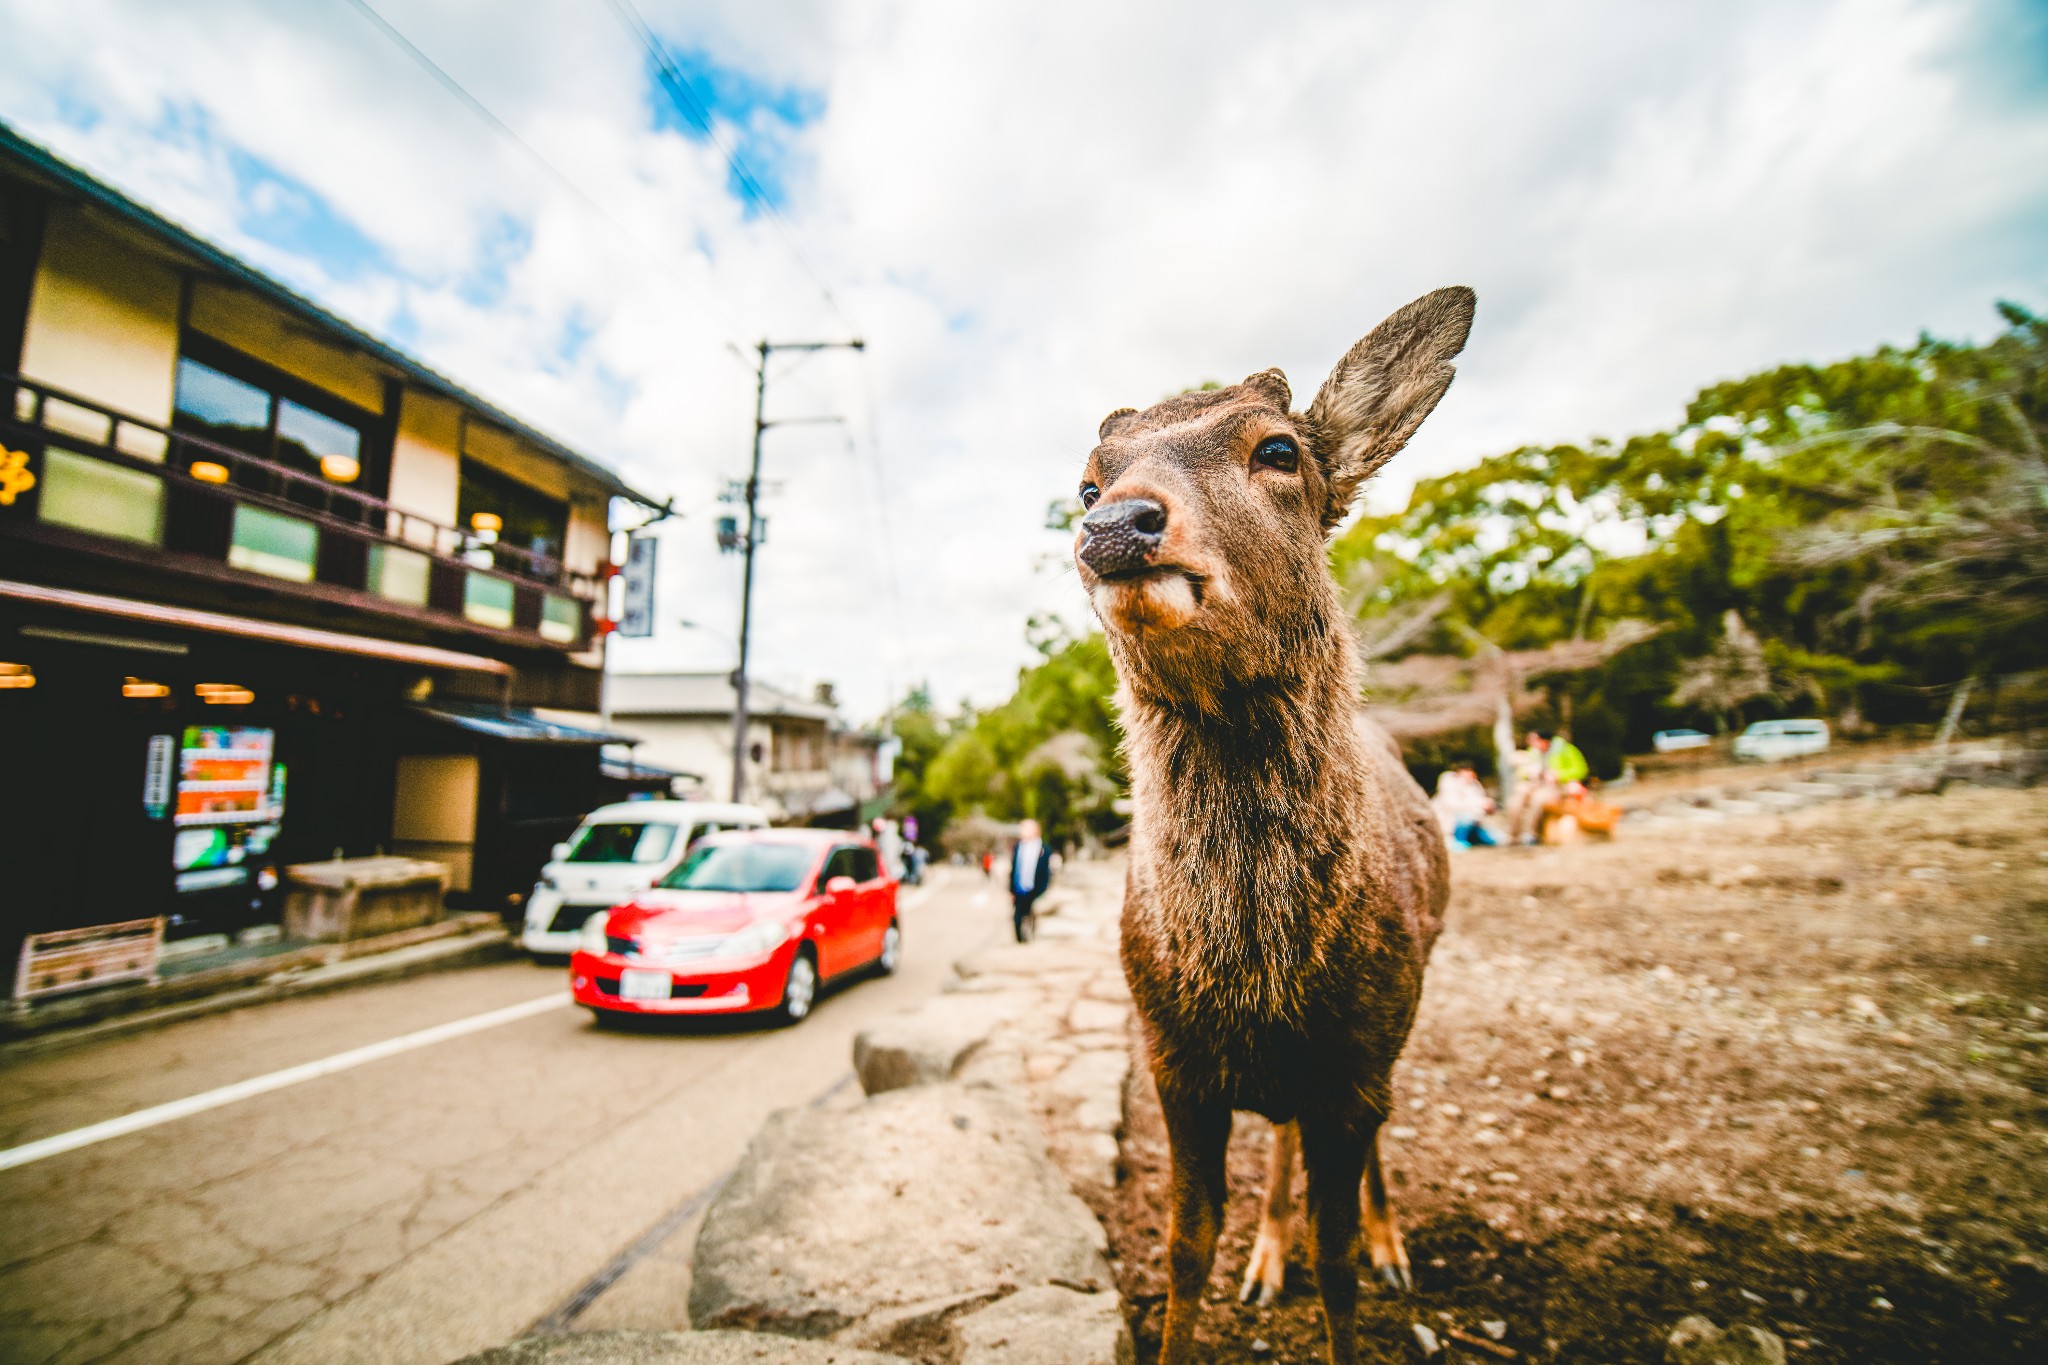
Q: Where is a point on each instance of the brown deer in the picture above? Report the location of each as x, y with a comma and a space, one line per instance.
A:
1287, 878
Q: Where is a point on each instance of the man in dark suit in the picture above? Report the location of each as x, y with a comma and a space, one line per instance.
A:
1030, 874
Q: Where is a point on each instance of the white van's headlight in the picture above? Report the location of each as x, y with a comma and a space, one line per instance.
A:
756, 939
591, 939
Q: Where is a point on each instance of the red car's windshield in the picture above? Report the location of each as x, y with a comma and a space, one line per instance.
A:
743, 867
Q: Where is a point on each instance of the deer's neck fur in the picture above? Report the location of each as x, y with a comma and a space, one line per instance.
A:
1248, 804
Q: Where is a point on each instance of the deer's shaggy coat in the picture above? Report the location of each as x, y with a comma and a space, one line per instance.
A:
1287, 877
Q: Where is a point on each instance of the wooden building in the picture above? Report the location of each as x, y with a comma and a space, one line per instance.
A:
269, 587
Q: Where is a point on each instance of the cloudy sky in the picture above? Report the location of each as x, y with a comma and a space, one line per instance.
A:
1038, 211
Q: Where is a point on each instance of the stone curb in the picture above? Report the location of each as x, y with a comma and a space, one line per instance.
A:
952, 1216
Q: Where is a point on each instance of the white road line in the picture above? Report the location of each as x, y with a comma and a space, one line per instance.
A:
979, 898
276, 1080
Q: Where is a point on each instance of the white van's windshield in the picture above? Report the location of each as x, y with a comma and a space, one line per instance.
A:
623, 841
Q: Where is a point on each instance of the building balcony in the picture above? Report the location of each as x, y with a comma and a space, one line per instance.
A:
86, 484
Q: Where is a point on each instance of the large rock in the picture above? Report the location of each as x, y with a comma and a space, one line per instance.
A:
1048, 1325
674, 1348
932, 1042
1696, 1341
909, 1205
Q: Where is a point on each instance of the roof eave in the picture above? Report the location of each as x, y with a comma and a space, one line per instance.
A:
214, 258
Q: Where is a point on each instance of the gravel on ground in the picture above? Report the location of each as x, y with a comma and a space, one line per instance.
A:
1785, 1070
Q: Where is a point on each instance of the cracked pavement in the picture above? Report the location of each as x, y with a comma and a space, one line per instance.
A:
413, 1209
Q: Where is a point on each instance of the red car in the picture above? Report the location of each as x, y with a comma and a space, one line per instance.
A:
750, 920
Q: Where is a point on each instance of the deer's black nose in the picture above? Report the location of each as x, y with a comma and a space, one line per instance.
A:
1121, 537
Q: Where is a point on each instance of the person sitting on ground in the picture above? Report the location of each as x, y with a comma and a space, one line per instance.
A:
1567, 765
1531, 771
1462, 806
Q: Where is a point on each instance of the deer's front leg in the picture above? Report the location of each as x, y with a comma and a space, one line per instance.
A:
1334, 1152
1198, 1133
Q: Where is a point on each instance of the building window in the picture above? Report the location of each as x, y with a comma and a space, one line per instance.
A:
106, 499
271, 543
488, 601
561, 619
399, 574
239, 402
505, 512
223, 409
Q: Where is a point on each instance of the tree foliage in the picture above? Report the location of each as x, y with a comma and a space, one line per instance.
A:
1852, 539
1049, 752
1878, 525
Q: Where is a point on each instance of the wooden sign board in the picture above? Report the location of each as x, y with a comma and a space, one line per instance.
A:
77, 959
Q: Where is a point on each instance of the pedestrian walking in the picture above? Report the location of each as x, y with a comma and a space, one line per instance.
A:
988, 862
1030, 874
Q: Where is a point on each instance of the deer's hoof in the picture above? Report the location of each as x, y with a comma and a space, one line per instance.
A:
1397, 1279
1265, 1271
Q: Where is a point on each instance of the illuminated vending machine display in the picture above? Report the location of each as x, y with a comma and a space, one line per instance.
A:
230, 801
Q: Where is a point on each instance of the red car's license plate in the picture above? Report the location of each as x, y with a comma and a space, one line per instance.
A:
643, 985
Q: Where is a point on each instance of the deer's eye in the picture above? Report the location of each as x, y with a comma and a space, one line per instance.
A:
1277, 452
1089, 493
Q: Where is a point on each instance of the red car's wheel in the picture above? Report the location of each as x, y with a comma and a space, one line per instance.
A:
892, 950
799, 989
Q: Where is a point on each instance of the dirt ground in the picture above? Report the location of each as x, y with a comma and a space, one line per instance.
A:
1786, 1070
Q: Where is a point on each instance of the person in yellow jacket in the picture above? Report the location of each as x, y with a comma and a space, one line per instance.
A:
1565, 761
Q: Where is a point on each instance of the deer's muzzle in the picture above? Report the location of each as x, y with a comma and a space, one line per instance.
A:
1121, 537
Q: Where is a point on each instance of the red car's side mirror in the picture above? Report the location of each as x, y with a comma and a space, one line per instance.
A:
841, 886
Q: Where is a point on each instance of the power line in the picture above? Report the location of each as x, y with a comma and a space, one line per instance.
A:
699, 111
891, 578
498, 125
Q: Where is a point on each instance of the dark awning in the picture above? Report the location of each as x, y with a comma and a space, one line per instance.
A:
633, 770
514, 725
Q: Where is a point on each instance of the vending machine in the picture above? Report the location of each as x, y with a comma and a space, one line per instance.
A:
226, 811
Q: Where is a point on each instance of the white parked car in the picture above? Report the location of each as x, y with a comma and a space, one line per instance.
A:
1773, 741
1673, 741
617, 851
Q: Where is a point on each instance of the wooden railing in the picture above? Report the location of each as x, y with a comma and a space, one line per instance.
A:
384, 557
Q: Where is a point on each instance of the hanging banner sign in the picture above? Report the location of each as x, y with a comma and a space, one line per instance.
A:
636, 618
156, 775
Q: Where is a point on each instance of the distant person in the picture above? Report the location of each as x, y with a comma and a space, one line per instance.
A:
1462, 806
1530, 766
1567, 765
988, 862
889, 844
1030, 874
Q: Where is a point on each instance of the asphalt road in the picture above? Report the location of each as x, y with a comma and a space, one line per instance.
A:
412, 1207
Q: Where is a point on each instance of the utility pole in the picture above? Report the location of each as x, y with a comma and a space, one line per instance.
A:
753, 537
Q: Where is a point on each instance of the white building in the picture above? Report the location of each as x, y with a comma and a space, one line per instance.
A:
804, 763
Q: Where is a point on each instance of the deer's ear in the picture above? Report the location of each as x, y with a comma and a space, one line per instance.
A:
1273, 385
1112, 422
1383, 388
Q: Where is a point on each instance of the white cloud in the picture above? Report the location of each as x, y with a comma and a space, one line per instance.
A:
1037, 212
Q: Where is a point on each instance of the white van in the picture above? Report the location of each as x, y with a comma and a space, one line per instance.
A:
1773, 741
617, 851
